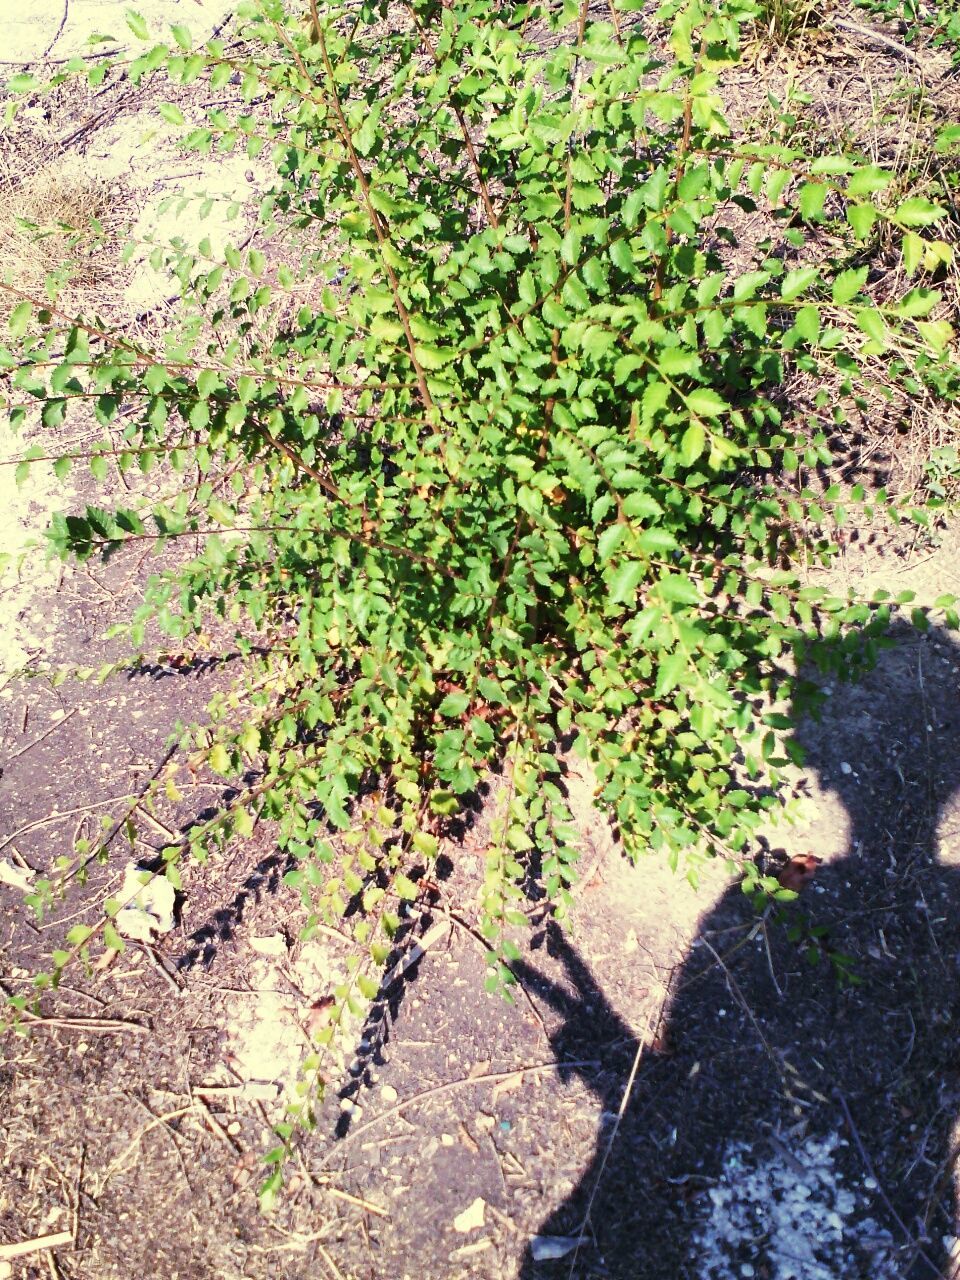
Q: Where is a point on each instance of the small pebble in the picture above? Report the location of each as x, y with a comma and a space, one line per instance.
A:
845, 767
234, 1127
447, 1140
388, 1093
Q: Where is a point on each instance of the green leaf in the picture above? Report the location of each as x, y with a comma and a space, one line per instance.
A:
137, 25
811, 201
848, 284
938, 334
625, 581
692, 443
609, 540
671, 670
917, 212
171, 112
678, 588
20, 318
454, 705
405, 888
112, 939
641, 506
797, 282
706, 401
861, 218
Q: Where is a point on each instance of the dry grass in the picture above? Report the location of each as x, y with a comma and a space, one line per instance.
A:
53, 228
880, 107
784, 21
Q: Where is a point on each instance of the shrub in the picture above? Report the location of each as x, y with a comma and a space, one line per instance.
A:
512, 459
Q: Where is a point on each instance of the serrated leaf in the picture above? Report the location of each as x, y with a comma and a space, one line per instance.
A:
454, 705
670, 671
625, 581
936, 333
811, 201
799, 281
861, 218
20, 318
678, 589
692, 443
405, 887
641, 506
171, 112
917, 212
609, 540
848, 284
137, 25
706, 401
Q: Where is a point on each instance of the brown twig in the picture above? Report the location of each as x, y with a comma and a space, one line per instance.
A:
872, 1173
36, 741
23, 1247
155, 1123
448, 1087
652, 1033
366, 1205
213, 1124
868, 33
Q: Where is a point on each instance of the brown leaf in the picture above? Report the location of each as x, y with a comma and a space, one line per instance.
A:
467, 1139
799, 871
510, 1085
318, 1015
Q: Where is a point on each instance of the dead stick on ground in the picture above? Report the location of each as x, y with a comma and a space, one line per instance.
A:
642, 1046
128, 1150
23, 1247
868, 33
214, 1125
334, 1269
478, 938
871, 1173
105, 1025
448, 1087
40, 737
361, 1204
416, 953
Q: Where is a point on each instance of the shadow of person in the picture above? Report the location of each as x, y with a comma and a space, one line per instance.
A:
787, 1124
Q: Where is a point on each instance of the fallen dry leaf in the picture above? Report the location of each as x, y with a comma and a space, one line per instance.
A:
318, 1015
799, 871
510, 1085
272, 944
16, 877
148, 908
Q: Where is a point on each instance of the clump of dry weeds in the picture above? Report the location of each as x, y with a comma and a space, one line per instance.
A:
53, 228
